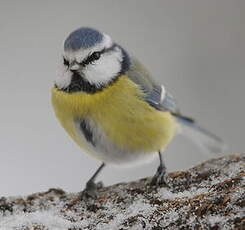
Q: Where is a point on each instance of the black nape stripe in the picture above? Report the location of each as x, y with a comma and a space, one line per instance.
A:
87, 132
125, 64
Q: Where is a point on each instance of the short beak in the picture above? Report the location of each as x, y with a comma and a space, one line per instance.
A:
74, 66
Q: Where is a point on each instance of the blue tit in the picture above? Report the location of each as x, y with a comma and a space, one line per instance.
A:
110, 105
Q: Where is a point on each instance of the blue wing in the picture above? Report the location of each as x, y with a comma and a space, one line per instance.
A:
155, 94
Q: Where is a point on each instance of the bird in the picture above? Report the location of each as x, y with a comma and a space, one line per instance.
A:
113, 108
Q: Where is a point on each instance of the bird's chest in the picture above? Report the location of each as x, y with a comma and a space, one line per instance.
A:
93, 122
113, 121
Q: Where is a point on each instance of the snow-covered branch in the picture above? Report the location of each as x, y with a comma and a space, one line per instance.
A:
208, 196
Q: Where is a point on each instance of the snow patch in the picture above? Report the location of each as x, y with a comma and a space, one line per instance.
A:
46, 218
168, 195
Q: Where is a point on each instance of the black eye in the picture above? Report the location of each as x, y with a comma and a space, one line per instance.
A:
90, 59
65, 62
95, 56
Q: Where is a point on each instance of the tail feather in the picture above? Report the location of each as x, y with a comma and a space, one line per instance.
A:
206, 140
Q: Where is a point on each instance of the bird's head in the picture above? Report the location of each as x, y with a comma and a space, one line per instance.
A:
90, 61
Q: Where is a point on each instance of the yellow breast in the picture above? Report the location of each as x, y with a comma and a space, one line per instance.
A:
127, 120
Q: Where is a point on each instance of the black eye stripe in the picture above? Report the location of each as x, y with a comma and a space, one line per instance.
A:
91, 58
65, 62
96, 55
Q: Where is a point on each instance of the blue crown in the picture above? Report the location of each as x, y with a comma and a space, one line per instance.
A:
82, 38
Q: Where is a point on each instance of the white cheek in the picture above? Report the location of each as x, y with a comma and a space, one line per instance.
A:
104, 70
63, 78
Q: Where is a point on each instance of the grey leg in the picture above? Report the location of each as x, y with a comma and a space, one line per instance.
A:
91, 186
159, 177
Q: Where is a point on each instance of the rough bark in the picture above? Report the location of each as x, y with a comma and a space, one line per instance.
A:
208, 196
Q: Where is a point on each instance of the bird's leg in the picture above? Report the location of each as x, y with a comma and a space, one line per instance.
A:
160, 177
91, 186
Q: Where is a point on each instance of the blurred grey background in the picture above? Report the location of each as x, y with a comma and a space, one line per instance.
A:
195, 47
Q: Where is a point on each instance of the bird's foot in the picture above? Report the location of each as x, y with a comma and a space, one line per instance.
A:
91, 190
160, 178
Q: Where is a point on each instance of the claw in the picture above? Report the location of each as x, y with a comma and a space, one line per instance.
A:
91, 190
159, 178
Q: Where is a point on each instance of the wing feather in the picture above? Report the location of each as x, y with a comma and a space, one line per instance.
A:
155, 94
